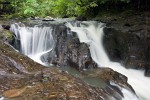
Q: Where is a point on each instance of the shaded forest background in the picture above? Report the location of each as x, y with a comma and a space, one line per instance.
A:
68, 8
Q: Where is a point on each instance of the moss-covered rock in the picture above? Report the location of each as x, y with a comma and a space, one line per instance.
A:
6, 35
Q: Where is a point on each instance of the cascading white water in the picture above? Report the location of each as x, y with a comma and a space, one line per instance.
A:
35, 41
92, 34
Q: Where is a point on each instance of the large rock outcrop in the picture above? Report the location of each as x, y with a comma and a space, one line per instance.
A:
127, 39
68, 51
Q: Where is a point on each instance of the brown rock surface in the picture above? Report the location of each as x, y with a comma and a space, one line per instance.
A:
22, 78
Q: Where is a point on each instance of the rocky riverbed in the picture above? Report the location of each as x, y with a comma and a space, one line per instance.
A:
22, 78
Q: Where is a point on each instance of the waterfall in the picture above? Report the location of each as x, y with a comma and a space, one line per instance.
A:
38, 40
92, 33
34, 41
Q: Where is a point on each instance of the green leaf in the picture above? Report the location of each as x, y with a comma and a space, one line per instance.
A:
29, 11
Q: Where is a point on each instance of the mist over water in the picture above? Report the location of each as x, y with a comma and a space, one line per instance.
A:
92, 34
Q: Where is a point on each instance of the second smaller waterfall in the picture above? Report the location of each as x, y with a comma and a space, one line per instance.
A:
34, 41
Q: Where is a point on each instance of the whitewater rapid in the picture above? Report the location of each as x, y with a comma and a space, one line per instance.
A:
34, 41
92, 33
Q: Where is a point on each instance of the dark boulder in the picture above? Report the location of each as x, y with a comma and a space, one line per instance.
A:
130, 48
68, 50
81, 18
115, 44
7, 27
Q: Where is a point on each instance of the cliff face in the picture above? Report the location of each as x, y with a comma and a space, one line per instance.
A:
127, 38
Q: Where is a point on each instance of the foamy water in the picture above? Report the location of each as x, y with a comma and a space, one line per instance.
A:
92, 34
35, 41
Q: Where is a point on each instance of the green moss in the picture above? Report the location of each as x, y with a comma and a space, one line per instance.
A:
6, 35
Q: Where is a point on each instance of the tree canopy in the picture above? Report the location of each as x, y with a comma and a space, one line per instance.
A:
58, 8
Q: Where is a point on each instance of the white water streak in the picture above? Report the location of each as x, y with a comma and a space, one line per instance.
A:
35, 41
92, 34
1, 98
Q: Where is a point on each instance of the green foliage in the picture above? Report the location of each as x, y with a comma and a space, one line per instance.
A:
112, 1
56, 8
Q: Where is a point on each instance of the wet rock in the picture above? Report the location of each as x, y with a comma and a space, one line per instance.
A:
131, 49
22, 78
6, 35
69, 51
147, 71
79, 55
38, 82
48, 18
130, 45
116, 44
81, 18
7, 27
107, 75
147, 55
114, 80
